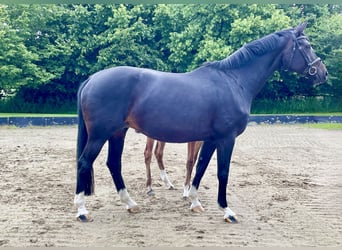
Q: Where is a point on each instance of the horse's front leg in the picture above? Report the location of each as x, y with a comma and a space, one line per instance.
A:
224, 153
115, 148
206, 153
193, 149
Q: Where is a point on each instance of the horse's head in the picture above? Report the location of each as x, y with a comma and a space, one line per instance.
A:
301, 58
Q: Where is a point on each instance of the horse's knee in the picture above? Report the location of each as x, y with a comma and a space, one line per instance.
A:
159, 155
148, 156
159, 151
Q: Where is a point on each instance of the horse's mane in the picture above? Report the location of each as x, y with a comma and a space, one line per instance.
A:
251, 50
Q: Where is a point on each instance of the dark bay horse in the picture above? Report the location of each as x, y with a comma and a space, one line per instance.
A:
211, 104
193, 149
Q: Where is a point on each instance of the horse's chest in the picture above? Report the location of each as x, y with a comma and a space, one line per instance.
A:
231, 121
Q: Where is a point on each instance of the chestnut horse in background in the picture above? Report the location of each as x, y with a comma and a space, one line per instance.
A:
193, 149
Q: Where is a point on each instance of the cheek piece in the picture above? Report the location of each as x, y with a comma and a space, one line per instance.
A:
310, 69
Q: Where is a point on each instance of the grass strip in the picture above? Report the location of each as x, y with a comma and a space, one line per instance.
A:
329, 126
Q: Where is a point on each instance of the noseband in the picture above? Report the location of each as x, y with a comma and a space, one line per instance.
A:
310, 69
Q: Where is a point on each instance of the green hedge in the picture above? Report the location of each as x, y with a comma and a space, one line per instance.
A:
297, 105
259, 106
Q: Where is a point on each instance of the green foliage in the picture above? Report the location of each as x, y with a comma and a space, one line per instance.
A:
129, 39
327, 39
18, 65
297, 105
46, 51
256, 21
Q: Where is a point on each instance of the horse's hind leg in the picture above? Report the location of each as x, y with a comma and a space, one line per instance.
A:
85, 176
115, 148
148, 158
159, 152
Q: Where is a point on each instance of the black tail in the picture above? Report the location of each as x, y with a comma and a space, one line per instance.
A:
85, 173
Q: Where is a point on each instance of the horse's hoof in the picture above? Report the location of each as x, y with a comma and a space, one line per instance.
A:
133, 210
231, 219
150, 193
171, 188
185, 198
197, 209
85, 218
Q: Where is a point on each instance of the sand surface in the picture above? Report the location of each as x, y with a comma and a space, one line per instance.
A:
285, 185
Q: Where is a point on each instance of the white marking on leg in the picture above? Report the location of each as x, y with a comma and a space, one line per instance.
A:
193, 193
230, 215
165, 179
79, 201
195, 203
228, 212
126, 199
186, 191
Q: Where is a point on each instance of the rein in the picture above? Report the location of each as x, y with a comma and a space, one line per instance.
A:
310, 69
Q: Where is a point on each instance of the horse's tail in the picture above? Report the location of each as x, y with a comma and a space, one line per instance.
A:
82, 135
85, 174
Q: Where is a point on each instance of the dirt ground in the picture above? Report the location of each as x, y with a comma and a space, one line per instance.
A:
285, 185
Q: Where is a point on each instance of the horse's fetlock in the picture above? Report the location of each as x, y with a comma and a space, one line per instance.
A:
79, 199
193, 193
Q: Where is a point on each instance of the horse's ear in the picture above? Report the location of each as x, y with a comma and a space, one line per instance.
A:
300, 28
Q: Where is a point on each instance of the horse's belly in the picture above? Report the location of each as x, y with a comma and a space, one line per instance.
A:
176, 136
170, 129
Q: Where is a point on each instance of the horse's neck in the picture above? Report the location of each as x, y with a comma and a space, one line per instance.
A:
256, 73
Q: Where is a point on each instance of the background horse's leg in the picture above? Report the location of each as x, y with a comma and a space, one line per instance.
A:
224, 153
148, 158
193, 149
206, 153
85, 176
115, 148
159, 152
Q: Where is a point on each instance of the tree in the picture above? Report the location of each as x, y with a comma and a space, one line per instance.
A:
129, 39
327, 38
51, 49
18, 65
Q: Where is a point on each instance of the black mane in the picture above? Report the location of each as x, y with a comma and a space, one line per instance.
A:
251, 50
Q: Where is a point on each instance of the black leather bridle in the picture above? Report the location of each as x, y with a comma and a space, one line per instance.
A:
310, 69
